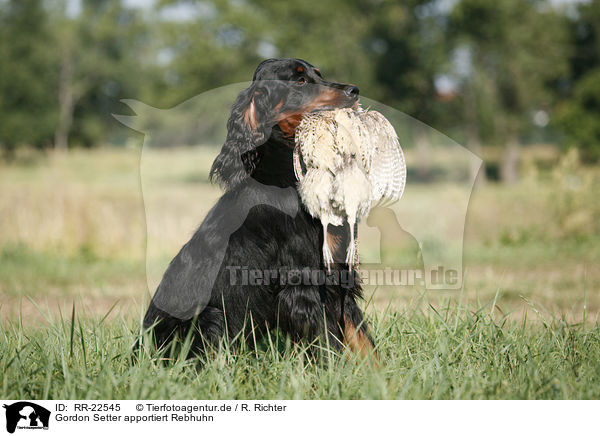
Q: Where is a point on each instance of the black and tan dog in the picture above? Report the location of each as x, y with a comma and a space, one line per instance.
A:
260, 225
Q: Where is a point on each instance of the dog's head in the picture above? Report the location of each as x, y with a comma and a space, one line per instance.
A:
282, 91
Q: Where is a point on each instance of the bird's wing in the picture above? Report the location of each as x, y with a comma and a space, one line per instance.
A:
388, 167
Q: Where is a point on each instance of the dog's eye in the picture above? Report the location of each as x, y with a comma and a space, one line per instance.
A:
301, 81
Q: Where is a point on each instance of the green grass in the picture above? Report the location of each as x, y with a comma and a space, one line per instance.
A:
49, 273
450, 353
74, 227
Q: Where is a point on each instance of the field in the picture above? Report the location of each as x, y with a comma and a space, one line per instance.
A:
75, 230
440, 355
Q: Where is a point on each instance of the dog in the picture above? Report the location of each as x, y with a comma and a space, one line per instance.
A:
216, 286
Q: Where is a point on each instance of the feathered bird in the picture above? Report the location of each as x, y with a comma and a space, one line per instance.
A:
388, 167
345, 160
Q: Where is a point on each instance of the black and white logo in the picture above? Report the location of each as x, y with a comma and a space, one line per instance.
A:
26, 415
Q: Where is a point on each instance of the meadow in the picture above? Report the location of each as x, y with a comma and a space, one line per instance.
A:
76, 244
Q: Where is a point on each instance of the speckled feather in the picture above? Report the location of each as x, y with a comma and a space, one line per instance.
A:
352, 158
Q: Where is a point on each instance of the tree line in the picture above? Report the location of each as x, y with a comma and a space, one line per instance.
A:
487, 73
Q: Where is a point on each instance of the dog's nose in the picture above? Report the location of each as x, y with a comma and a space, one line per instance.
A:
352, 91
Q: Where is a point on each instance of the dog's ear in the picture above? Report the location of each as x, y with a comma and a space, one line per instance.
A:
248, 127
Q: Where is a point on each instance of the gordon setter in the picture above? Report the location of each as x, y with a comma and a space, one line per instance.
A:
256, 262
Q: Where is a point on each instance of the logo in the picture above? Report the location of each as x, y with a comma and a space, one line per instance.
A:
26, 415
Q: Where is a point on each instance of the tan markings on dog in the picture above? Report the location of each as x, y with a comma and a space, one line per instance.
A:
338, 238
357, 340
300, 69
288, 121
250, 116
327, 97
335, 244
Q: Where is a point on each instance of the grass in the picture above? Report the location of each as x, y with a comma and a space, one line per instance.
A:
60, 274
450, 353
76, 228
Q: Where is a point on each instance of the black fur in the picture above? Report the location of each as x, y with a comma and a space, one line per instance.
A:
261, 224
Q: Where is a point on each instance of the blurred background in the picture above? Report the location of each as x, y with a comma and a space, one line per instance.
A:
517, 82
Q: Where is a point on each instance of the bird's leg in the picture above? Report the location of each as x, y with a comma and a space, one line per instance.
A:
327, 256
351, 251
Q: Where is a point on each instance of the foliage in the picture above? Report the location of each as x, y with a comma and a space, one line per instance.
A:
471, 68
579, 116
503, 76
102, 56
578, 113
28, 110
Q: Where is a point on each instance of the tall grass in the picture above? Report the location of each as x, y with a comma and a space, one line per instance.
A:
454, 352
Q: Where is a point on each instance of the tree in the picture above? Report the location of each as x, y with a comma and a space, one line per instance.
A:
100, 52
27, 75
226, 42
579, 110
406, 41
516, 50
331, 35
